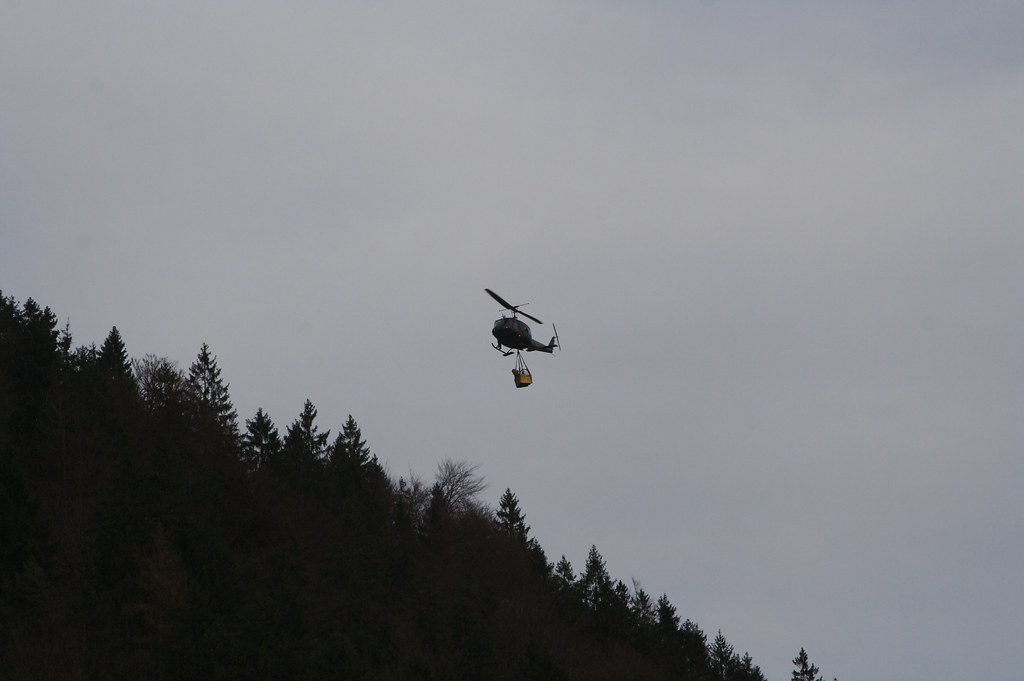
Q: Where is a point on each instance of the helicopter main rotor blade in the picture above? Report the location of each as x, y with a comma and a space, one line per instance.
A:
504, 303
528, 316
514, 308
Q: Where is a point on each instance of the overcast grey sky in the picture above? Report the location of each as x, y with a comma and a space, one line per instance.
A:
782, 243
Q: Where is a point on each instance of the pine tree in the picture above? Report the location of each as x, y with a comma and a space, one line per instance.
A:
747, 670
805, 671
29, 361
356, 482
349, 456
211, 394
694, 650
564, 574
594, 582
538, 557
304, 449
641, 606
616, 617
113, 356
64, 345
261, 443
723, 658
668, 620
510, 519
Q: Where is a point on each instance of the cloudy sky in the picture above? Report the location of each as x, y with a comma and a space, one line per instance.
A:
782, 243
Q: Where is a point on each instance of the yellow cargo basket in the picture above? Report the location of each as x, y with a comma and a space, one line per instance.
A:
521, 373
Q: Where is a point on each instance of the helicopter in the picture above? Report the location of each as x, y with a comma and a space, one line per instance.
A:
514, 334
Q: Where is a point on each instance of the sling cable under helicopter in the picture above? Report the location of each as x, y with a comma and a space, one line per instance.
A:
514, 334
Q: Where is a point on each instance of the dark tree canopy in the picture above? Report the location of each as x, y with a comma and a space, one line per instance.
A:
162, 385
143, 537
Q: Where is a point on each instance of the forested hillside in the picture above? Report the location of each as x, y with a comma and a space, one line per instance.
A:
148, 532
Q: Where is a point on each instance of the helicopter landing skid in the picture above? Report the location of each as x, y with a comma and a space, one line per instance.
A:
503, 352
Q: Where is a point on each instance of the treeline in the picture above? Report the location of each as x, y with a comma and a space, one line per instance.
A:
145, 533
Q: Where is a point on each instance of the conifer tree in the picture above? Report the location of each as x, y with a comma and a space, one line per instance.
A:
642, 608
261, 443
113, 356
564, 573
211, 393
304, 448
723, 658
615, 610
349, 455
694, 650
356, 479
594, 582
607, 600
805, 671
510, 519
29, 359
668, 620
64, 345
538, 557
747, 670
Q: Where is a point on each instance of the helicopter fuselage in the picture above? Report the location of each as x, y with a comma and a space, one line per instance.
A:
515, 334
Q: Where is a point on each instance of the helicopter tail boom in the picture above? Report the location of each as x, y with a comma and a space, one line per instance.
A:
549, 348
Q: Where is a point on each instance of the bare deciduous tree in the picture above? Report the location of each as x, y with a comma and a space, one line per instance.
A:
412, 497
458, 485
161, 383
